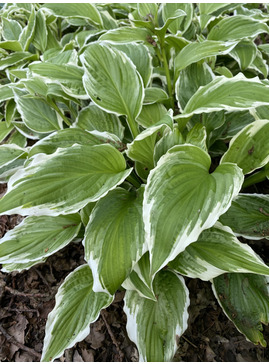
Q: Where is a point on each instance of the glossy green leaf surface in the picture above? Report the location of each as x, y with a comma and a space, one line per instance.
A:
182, 23
36, 114
244, 53
233, 28
38, 237
114, 239
111, 80
249, 149
11, 29
142, 147
86, 10
77, 305
140, 56
183, 197
155, 326
169, 139
64, 138
194, 52
237, 93
248, 216
126, 35
67, 75
244, 299
189, 81
93, 118
151, 114
217, 251
9, 153
64, 182
15, 58
153, 95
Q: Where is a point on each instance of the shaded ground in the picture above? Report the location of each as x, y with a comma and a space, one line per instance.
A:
26, 299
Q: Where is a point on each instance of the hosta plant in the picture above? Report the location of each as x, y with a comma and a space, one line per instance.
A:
135, 128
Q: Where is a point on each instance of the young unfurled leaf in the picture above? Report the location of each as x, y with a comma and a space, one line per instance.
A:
114, 239
77, 305
154, 326
112, 82
38, 237
244, 299
249, 149
237, 27
183, 197
64, 182
248, 216
218, 251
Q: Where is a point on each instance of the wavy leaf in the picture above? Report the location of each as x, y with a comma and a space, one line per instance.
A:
248, 216
76, 307
244, 299
249, 149
217, 251
65, 181
182, 199
155, 326
114, 239
38, 237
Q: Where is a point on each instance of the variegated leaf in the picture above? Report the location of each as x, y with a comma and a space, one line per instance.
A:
77, 305
65, 181
114, 239
182, 199
154, 326
244, 299
218, 251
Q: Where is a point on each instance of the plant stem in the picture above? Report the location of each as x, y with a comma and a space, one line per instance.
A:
133, 181
132, 125
163, 59
255, 178
56, 108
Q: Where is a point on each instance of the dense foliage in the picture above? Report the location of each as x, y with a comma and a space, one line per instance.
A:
135, 129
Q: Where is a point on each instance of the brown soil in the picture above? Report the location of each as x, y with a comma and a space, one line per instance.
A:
26, 299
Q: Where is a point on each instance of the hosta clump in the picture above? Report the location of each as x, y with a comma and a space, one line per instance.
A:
137, 127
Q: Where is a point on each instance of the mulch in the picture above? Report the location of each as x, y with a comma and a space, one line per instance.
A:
26, 299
